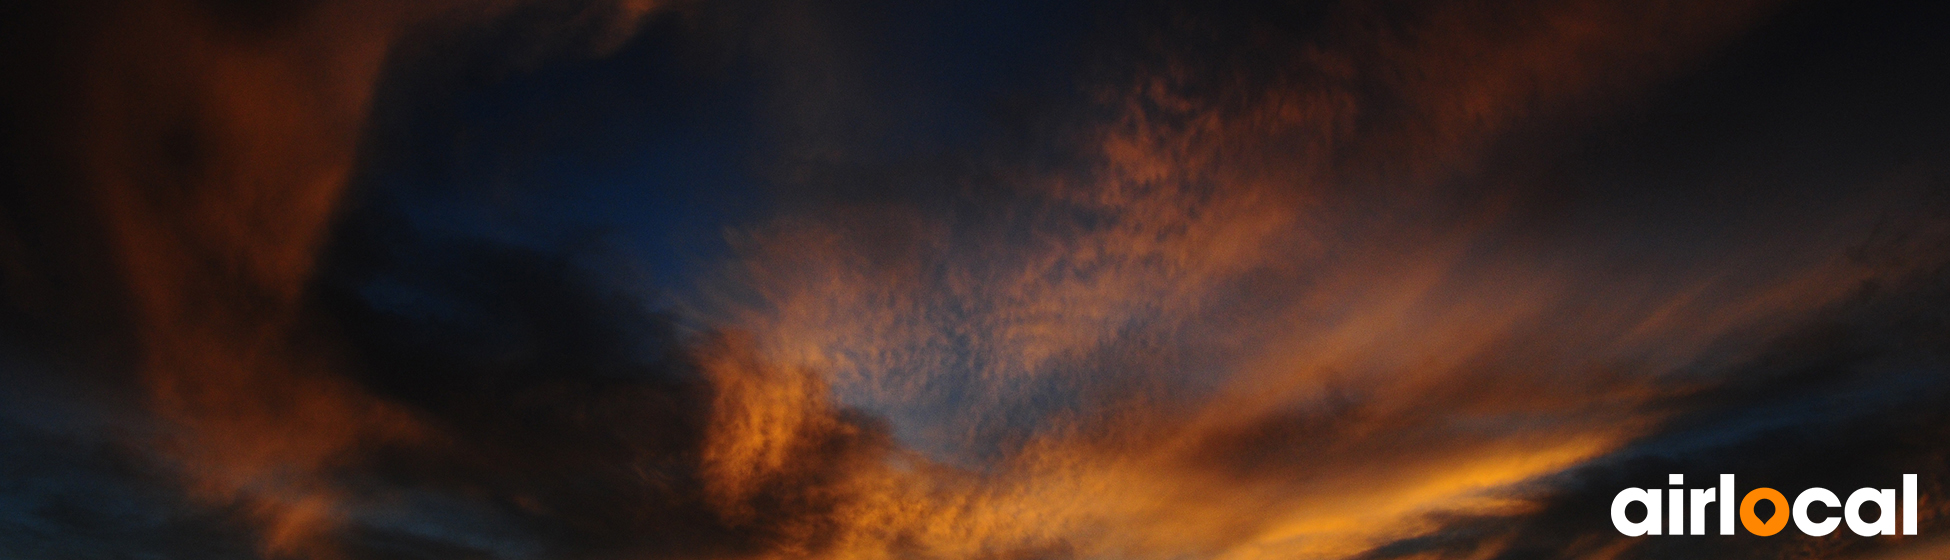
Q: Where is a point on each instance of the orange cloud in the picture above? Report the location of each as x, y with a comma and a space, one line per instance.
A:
214, 142
1257, 321
1274, 330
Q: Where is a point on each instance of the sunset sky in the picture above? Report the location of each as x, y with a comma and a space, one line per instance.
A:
1003, 280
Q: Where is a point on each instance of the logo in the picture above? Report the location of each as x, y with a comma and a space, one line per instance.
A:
1688, 510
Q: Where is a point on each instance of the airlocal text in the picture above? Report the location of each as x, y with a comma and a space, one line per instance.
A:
1680, 519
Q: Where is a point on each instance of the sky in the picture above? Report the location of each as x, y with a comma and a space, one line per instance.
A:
1056, 280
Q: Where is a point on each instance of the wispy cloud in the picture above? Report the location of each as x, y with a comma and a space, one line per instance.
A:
1280, 283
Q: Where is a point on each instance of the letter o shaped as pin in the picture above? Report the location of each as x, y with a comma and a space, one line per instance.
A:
1775, 523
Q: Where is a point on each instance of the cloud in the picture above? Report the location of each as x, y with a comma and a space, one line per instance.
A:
1278, 284
1275, 305
204, 146
1837, 405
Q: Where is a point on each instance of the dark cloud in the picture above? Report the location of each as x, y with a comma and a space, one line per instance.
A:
71, 495
573, 413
